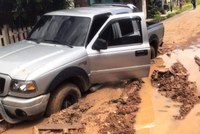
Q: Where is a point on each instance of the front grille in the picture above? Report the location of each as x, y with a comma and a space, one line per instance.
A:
2, 84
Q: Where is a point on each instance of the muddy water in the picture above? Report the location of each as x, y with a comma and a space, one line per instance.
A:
186, 57
156, 112
24, 128
101, 97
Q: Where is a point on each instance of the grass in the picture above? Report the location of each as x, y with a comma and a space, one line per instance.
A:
198, 2
176, 10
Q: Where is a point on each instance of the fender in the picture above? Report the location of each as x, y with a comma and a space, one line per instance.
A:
153, 38
73, 75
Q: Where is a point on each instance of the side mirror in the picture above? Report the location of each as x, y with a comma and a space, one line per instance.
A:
99, 44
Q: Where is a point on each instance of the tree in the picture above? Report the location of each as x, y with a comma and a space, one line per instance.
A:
25, 12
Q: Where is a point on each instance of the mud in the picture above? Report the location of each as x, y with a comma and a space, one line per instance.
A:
123, 119
5, 126
156, 111
174, 84
71, 114
112, 116
181, 31
185, 57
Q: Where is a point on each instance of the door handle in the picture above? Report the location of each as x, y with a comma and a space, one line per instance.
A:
141, 52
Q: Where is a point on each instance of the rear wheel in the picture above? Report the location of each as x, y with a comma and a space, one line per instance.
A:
63, 97
153, 52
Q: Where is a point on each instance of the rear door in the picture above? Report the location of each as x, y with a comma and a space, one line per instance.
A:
127, 54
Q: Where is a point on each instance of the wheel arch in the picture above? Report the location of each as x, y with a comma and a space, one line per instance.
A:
74, 75
153, 41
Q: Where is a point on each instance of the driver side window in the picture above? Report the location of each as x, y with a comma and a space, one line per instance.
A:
122, 32
108, 35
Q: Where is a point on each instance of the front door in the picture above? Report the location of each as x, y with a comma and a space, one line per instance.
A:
127, 54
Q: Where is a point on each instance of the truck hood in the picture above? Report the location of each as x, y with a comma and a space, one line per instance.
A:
21, 59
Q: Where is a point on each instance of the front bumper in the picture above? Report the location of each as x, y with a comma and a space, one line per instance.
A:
29, 107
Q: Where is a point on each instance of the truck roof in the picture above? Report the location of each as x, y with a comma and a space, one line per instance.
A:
92, 11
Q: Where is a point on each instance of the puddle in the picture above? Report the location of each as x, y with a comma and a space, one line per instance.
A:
186, 57
156, 112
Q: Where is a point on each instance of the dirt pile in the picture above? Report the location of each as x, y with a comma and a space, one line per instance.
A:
71, 114
121, 121
114, 116
174, 84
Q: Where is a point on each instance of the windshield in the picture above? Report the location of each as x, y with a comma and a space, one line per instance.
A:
64, 30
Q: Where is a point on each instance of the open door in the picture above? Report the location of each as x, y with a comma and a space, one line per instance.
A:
120, 49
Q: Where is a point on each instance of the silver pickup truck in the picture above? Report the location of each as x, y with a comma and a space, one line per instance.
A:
68, 52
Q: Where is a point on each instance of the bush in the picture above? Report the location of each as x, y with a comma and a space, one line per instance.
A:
152, 11
25, 12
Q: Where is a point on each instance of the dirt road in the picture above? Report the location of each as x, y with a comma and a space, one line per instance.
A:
182, 30
156, 112
182, 35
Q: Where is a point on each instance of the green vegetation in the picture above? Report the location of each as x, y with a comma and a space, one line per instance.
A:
159, 17
25, 12
198, 2
153, 11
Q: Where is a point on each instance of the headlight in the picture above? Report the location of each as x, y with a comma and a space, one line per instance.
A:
23, 86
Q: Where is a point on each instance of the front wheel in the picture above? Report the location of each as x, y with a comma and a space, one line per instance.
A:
63, 97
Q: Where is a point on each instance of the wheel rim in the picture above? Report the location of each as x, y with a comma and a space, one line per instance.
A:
69, 100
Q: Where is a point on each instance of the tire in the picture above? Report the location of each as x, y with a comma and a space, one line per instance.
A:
153, 52
63, 97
